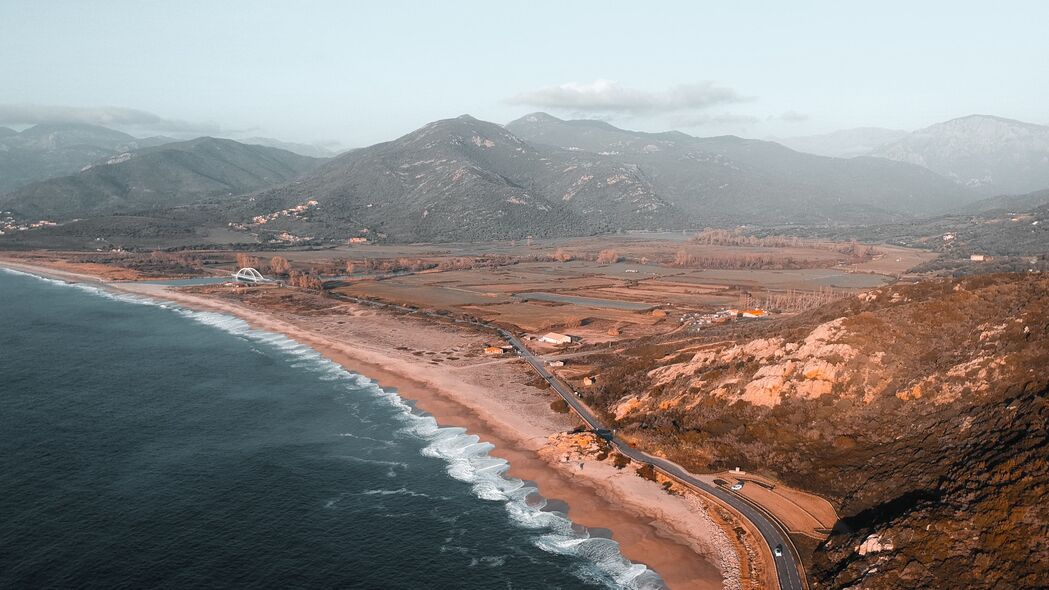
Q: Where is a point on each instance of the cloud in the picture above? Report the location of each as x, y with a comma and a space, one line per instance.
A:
34, 114
607, 96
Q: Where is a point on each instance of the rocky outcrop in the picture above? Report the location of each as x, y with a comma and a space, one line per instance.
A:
919, 410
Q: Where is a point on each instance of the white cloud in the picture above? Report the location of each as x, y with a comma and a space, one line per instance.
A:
608, 96
33, 114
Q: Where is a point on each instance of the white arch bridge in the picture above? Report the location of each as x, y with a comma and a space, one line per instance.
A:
250, 275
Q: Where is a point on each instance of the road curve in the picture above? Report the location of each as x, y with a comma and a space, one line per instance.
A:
786, 566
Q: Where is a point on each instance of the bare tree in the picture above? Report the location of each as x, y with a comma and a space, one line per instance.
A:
279, 265
247, 261
683, 258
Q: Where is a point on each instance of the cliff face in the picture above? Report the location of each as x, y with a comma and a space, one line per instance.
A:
919, 410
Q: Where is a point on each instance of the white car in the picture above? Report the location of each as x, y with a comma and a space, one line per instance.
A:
737, 486
778, 551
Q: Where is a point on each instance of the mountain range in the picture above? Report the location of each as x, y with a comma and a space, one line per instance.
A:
156, 178
731, 179
49, 150
467, 179
462, 178
988, 155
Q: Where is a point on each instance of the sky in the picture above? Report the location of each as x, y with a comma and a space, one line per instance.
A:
357, 73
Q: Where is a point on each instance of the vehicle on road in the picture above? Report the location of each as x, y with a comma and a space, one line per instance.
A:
778, 551
737, 486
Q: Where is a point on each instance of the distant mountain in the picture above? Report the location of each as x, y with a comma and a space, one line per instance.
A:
1015, 203
730, 179
991, 155
465, 179
303, 149
846, 143
48, 151
159, 177
7, 132
590, 135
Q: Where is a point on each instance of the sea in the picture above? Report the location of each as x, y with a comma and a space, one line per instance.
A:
145, 445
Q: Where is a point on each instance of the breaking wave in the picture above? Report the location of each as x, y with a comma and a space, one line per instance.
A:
467, 457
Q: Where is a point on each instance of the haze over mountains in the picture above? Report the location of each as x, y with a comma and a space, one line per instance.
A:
844, 143
303, 149
467, 179
49, 150
989, 155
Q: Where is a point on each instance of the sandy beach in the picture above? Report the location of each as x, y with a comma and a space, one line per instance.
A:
687, 539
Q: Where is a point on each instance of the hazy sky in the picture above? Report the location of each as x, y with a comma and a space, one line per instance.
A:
363, 72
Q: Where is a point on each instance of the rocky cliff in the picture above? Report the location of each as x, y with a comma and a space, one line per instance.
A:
919, 410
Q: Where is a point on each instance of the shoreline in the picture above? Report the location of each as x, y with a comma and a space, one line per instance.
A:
677, 537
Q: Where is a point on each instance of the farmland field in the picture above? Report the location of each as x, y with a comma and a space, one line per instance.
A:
650, 283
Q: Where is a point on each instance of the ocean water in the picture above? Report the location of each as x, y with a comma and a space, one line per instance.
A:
143, 445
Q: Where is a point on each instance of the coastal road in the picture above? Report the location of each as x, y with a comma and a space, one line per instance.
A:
787, 565
787, 570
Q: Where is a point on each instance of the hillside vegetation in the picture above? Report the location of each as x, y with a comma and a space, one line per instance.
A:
50, 150
920, 410
158, 178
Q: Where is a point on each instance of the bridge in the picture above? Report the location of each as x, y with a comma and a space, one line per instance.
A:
250, 275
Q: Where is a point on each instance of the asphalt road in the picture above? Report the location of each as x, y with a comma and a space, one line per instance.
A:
786, 565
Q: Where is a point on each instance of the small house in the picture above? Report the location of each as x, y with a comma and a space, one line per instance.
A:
978, 258
555, 363
493, 350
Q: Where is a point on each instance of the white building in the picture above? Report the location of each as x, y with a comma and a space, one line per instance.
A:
555, 338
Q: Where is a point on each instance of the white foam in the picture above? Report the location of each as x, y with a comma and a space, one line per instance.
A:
469, 461
467, 457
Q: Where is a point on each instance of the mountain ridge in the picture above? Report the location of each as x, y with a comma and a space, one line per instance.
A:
48, 151
158, 177
990, 154
758, 180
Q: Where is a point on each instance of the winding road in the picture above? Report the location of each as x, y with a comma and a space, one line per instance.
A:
787, 565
